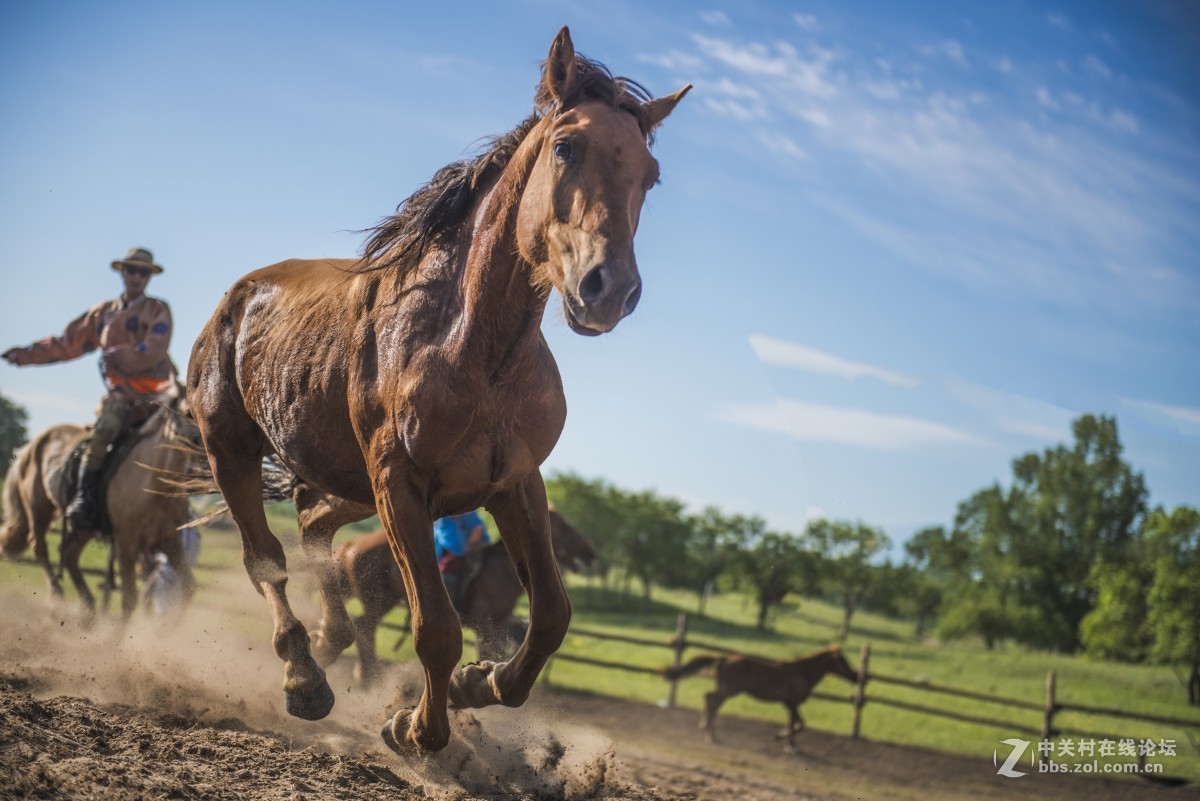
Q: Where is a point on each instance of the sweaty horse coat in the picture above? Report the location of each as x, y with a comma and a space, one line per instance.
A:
416, 380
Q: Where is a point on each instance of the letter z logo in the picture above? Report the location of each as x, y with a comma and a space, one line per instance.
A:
1018, 750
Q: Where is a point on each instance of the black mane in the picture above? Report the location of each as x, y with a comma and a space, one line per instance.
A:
440, 206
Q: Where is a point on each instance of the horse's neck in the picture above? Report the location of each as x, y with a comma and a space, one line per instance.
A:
502, 305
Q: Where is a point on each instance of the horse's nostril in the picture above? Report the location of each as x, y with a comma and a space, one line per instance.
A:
591, 288
631, 300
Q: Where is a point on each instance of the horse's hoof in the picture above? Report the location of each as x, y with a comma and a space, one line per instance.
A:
389, 736
312, 704
470, 687
395, 734
324, 652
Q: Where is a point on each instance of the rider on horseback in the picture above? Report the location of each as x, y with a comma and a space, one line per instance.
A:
458, 540
132, 333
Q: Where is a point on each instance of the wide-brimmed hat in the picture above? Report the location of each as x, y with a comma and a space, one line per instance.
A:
138, 257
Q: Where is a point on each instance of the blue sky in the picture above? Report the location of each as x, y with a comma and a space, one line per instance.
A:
893, 248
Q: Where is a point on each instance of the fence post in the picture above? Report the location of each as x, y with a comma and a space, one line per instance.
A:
860, 689
679, 643
1048, 721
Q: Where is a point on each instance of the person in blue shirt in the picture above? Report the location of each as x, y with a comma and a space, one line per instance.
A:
457, 538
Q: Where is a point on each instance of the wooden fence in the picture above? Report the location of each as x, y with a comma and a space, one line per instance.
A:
1047, 708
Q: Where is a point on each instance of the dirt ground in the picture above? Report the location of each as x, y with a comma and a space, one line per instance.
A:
193, 710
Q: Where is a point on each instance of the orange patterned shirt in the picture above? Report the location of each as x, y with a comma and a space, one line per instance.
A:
132, 338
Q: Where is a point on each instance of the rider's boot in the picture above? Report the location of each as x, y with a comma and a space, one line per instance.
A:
82, 509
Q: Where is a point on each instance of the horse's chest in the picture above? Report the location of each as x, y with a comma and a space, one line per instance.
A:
474, 446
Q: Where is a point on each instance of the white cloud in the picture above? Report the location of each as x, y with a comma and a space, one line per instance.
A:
1095, 65
790, 354
978, 184
1046, 100
734, 109
1185, 419
809, 422
950, 49
716, 18
807, 22
1026, 417
779, 60
674, 61
1059, 21
784, 145
1123, 121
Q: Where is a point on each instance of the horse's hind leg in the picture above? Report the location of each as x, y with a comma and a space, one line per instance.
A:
708, 721
525, 526
368, 663
237, 470
320, 516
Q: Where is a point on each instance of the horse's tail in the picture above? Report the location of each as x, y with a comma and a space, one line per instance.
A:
17, 527
688, 668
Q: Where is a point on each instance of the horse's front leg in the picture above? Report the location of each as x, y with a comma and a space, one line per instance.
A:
524, 523
437, 634
320, 516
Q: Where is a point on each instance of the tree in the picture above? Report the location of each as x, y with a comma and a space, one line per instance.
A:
1173, 602
713, 549
654, 538
1082, 505
12, 429
588, 504
772, 565
938, 561
846, 551
1035, 547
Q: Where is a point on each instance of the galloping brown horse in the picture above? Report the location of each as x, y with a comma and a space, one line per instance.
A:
142, 517
368, 571
788, 682
416, 380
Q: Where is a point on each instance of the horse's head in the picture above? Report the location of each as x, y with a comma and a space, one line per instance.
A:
835, 663
590, 173
571, 549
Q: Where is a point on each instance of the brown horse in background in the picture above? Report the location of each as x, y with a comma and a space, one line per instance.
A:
416, 380
368, 571
142, 517
790, 683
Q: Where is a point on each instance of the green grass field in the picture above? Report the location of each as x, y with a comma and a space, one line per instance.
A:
799, 627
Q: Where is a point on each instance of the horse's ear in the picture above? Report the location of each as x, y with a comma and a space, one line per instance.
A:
658, 108
560, 67
836, 648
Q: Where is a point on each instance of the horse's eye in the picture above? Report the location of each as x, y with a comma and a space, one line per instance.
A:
562, 149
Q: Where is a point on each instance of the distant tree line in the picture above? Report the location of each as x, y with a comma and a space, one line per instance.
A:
12, 431
1066, 557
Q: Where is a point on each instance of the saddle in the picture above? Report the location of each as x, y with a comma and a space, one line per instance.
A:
112, 460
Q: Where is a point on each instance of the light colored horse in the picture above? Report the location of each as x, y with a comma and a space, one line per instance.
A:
35, 493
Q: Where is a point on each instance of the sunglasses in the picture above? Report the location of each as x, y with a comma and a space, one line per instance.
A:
143, 272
